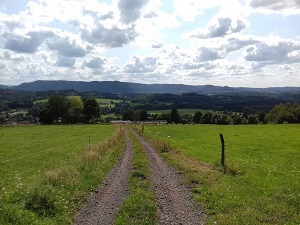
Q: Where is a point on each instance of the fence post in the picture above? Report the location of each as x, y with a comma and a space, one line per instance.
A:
89, 143
142, 128
223, 150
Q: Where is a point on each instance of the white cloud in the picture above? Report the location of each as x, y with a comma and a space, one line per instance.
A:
110, 38
276, 6
279, 53
65, 46
219, 28
95, 62
141, 65
131, 10
28, 43
65, 61
205, 54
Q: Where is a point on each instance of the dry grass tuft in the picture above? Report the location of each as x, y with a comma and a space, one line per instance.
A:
64, 174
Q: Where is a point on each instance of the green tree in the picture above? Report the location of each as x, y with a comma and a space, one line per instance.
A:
261, 117
91, 109
237, 119
75, 110
45, 116
144, 115
197, 117
208, 117
252, 119
128, 115
58, 106
175, 118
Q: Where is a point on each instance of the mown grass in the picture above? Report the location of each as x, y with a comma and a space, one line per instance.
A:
139, 207
48, 172
262, 182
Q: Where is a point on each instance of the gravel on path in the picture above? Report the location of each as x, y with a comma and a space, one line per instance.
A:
103, 204
175, 205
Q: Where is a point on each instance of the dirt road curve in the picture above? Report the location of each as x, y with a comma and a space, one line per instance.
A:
174, 204
104, 203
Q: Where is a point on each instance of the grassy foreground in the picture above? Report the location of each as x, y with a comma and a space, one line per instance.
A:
47, 172
262, 182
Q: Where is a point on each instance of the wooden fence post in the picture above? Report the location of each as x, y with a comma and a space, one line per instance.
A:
223, 150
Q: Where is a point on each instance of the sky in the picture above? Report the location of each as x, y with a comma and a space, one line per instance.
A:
237, 43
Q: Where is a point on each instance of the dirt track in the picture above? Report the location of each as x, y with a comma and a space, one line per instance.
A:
175, 206
104, 203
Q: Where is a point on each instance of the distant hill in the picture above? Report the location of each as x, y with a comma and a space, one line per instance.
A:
126, 87
3, 87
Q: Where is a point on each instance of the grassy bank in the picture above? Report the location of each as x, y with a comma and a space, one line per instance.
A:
47, 172
262, 180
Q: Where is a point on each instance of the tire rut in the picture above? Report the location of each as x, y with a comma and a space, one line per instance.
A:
175, 206
102, 206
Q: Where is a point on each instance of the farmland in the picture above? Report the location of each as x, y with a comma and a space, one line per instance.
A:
262, 180
61, 164
53, 163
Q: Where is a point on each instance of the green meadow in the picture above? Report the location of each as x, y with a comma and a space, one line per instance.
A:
47, 172
180, 111
262, 180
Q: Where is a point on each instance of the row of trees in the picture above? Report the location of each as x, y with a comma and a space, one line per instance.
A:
69, 110
283, 113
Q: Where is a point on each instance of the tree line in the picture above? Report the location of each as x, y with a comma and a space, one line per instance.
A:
70, 110
282, 113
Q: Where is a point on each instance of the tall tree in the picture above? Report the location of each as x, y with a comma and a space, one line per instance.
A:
91, 109
75, 110
144, 115
58, 106
128, 115
175, 118
197, 117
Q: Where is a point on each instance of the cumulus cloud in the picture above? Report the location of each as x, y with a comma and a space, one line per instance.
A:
28, 43
110, 37
131, 10
205, 54
95, 62
65, 61
281, 52
67, 47
275, 5
138, 65
235, 44
157, 45
220, 28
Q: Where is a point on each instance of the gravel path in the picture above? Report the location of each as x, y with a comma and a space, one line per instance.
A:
175, 206
102, 206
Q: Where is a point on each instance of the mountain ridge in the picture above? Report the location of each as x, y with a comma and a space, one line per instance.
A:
129, 87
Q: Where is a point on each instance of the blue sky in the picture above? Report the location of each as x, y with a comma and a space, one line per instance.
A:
241, 43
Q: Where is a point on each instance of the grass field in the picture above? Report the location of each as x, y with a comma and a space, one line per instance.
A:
262, 182
180, 111
103, 102
47, 172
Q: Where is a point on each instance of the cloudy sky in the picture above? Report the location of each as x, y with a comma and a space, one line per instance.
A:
249, 43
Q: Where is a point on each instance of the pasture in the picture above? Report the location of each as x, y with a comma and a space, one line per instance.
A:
180, 111
55, 166
262, 182
103, 102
